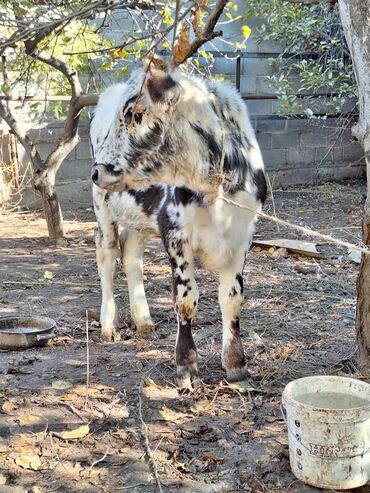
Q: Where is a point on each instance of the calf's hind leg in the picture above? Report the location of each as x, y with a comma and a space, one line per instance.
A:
132, 248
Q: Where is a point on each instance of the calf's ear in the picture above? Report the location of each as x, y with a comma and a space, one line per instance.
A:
161, 87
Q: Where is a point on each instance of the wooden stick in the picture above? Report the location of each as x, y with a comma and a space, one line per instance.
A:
87, 359
147, 445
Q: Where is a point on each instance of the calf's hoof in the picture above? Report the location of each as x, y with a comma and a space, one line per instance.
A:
236, 375
145, 330
187, 376
108, 335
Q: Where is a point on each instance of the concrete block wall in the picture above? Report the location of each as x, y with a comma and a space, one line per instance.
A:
295, 151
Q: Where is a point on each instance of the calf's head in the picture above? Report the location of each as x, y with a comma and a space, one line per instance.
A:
132, 128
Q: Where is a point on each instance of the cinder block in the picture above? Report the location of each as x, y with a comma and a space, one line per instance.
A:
72, 195
225, 66
268, 47
259, 107
297, 157
83, 150
274, 158
263, 86
298, 125
247, 85
264, 140
271, 125
353, 152
44, 149
329, 155
320, 137
256, 66
285, 141
75, 169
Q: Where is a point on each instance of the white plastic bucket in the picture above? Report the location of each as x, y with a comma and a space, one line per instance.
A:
328, 420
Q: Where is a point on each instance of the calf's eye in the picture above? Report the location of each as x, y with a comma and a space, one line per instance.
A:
128, 117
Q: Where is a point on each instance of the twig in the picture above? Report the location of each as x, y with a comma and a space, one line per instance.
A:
147, 445
74, 410
55, 452
305, 231
120, 488
87, 359
98, 460
272, 200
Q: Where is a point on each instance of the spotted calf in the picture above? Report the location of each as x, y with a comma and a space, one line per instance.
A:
167, 149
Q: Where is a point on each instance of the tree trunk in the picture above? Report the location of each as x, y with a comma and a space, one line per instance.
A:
363, 298
363, 280
355, 17
44, 180
45, 184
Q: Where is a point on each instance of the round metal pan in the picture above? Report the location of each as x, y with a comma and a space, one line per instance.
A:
25, 332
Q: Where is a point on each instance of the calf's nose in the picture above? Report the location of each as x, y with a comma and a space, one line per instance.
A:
95, 176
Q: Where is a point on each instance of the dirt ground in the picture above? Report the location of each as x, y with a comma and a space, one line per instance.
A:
298, 320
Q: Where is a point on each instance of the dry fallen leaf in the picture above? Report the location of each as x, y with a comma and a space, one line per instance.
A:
8, 407
167, 414
29, 419
79, 432
28, 459
61, 384
213, 459
282, 439
36, 489
242, 387
80, 390
182, 46
68, 469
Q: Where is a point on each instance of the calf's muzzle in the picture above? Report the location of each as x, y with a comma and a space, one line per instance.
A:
105, 176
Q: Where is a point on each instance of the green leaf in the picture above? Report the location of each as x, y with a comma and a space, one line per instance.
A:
232, 6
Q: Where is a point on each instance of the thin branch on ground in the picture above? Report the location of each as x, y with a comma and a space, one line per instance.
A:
99, 460
87, 359
147, 444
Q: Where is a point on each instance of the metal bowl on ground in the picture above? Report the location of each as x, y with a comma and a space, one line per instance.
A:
25, 332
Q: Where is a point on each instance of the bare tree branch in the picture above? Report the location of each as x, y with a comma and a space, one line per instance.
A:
208, 32
22, 136
96, 7
330, 3
68, 72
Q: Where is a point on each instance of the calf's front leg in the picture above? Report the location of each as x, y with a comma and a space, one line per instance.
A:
230, 299
185, 292
106, 253
132, 249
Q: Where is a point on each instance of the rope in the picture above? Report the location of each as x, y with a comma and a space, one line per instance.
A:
306, 231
